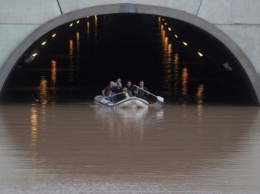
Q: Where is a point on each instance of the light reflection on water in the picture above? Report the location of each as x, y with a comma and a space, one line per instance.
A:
79, 147
90, 54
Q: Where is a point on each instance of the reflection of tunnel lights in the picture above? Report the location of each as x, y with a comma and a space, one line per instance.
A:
165, 24
53, 35
200, 54
185, 43
43, 43
161, 27
200, 94
185, 75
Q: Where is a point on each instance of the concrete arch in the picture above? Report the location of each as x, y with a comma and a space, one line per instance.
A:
138, 9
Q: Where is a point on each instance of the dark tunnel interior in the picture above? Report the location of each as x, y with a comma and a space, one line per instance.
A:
177, 60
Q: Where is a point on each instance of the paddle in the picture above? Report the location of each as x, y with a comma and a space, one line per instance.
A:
159, 98
113, 95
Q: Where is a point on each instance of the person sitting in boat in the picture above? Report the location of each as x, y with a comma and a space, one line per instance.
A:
130, 88
125, 92
108, 90
118, 91
141, 92
118, 81
123, 95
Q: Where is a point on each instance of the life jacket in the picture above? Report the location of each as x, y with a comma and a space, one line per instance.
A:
127, 95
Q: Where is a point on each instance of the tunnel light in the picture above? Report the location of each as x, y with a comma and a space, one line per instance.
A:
176, 36
34, 54
71, 24
200, 54
43, 43
165, 24
185, 43
169, 29
53, 35
78, 22
31, 57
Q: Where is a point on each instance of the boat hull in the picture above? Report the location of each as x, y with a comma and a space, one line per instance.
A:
132, 102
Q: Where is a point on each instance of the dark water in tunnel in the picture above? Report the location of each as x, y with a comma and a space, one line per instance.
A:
81, 60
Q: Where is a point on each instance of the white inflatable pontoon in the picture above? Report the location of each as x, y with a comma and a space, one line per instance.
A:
132, 102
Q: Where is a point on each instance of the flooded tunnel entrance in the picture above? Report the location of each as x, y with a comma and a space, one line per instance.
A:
176, 60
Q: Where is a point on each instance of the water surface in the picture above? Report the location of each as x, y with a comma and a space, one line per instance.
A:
172, 148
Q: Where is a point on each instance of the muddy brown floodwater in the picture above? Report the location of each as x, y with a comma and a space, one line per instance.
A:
80, 148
